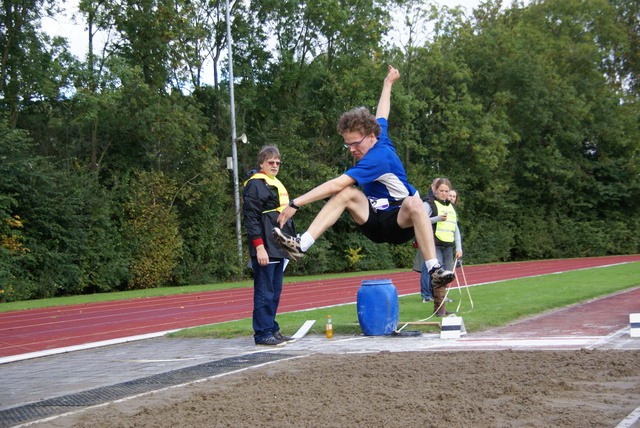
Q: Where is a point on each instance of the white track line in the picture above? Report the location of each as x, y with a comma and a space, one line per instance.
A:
83, 347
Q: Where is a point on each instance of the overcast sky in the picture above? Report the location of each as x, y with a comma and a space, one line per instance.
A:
63, 24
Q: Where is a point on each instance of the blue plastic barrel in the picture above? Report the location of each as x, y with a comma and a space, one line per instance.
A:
377, 307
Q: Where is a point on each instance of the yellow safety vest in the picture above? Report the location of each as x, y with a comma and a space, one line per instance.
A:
445, 230
283, 195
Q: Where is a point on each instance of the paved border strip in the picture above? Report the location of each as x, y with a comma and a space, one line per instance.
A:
94, 397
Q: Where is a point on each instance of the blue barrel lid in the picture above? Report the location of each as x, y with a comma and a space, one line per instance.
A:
376, 282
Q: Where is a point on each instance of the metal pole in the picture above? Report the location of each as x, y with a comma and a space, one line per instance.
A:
234, 149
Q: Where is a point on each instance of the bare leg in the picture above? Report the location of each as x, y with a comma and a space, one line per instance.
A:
350, 199
412, 213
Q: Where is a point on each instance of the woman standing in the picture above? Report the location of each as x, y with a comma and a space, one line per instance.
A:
264, 197
446, 235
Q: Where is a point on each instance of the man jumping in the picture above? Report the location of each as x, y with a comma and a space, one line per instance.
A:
388, 209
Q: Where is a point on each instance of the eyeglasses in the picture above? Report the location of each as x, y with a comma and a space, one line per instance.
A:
347, 145
274, 163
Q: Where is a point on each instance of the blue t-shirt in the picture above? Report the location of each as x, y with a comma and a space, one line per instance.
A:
381, 173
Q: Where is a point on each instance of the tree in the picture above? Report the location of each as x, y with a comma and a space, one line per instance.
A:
153, 231
14, 161
546, 64
32, 66
119, 181
624, 65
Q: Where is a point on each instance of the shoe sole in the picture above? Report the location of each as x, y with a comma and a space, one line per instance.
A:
442, 281
285, 243
289, 340
271, 345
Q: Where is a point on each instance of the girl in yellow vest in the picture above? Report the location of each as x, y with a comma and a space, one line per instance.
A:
446, 234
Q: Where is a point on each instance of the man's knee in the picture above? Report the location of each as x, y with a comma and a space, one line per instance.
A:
349, 193
413, 204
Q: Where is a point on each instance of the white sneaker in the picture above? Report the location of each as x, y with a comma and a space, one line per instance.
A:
291, 244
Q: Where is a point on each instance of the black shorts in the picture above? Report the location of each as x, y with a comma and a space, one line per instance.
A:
382, 226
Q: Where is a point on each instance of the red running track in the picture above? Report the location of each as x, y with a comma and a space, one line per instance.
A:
35, 330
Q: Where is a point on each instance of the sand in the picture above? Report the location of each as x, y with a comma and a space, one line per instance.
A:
586, 388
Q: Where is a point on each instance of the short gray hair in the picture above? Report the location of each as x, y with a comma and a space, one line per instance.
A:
268, 152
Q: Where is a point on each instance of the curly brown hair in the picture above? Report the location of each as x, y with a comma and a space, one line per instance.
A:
359, 120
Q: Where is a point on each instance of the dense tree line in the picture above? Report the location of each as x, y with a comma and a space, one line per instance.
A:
113, 166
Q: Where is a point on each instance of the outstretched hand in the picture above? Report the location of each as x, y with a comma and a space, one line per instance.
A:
392, 75
285, 215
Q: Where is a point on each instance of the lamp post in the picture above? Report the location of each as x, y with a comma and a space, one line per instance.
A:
234, 149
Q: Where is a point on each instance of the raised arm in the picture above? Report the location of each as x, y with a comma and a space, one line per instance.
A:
384, 105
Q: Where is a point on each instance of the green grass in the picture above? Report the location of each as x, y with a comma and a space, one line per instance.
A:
494, 304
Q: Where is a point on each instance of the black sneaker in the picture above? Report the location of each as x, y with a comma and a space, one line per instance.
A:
286, 339
270, 341
291, 244
441, 277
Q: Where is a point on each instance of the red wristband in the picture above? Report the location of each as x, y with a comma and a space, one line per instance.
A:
257, 242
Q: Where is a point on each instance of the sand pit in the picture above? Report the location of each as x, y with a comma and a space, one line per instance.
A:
408, 389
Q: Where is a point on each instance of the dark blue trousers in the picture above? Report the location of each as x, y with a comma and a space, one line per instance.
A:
267, 287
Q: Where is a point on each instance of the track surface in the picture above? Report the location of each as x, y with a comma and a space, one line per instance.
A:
37, 330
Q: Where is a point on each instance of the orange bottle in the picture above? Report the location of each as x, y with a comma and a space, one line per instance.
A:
329, 328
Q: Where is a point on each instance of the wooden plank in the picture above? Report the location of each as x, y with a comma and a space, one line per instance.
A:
421, 323
302, 331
